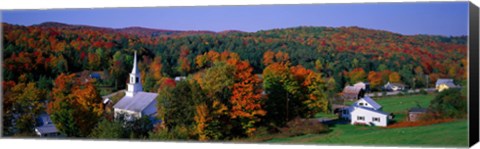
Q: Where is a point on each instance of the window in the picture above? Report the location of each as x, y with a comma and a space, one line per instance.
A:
366, 104
361, 103
375, 119
345, 111
360, 118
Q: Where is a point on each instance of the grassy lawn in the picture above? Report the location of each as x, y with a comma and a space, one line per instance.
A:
444, 134
403, 103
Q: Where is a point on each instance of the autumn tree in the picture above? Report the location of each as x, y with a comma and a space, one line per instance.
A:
246, 99
394, 77
375, 79
22, 104
357, 75
76, 107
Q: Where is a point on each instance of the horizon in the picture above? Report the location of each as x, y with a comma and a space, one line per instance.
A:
431, 18
216, 32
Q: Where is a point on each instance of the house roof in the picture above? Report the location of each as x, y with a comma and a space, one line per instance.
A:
352, 90
395, 84
137, 103
179, 78
445, 81
45, 129
361, 83
371, 110
372, 102
418, 110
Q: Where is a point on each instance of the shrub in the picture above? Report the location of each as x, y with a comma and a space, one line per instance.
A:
423, 92
419, 123
299, 126
450, 103
179, 132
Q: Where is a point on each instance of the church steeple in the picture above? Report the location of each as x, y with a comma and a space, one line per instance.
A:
134, 84
135, 68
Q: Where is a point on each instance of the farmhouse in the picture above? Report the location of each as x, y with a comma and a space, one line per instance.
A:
365, 111
394, 86
352, 93
443, 84
414, 114
136, 103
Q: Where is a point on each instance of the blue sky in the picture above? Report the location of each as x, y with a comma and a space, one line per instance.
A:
445, 18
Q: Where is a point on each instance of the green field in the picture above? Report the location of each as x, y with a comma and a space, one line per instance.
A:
402, 103
444, 134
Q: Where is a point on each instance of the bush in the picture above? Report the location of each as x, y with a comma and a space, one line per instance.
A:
423, 92
450, 103
299, 126
179, 132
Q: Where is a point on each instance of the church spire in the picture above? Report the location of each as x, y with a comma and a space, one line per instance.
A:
135, 68
134, 85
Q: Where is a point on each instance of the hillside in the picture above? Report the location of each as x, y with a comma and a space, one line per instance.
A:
337, 51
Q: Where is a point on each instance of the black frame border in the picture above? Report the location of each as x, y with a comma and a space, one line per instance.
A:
473, 85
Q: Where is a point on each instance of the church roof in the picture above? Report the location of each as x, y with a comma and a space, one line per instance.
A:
137, 103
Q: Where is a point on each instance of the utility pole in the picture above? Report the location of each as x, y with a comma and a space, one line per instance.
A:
287, 106
427, 80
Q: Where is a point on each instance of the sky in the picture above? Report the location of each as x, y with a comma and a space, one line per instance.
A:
439, 18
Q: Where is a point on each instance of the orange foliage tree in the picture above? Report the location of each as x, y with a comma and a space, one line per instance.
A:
246, 97
76, 107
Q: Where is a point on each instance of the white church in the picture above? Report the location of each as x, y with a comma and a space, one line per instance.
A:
136, 102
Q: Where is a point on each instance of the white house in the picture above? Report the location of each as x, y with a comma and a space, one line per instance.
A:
365, 111
136, 102
394, 86
444, 84
180, 78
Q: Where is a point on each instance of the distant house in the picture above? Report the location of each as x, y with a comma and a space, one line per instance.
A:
352, 93
365, 111
180, 78
45, 126
364, 85
95, 75
444, 84
86, 75
136, 103
414, 114
394, 87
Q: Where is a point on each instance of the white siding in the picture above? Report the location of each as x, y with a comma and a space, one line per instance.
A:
363, 103
128, 114
368, 117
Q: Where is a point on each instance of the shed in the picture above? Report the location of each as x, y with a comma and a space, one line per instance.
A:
415, 114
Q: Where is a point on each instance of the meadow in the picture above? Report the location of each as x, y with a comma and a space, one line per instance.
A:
443, 134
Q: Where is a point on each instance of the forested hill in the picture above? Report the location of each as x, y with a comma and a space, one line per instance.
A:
347, 54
